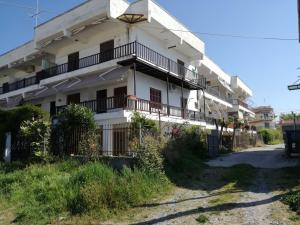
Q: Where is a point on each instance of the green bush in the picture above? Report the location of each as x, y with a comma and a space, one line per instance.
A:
37, 132
271, 136
185, 153
11, 120
138, 120
293, 200
149, 156
79, 119
191, 140
40, 194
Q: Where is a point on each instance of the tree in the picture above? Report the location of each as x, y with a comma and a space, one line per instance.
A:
237, 123
289, 116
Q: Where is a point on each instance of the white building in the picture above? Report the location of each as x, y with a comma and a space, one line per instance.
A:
117, 57
264, 117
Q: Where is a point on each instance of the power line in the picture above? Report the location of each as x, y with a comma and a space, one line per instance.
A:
237, 36
228, 35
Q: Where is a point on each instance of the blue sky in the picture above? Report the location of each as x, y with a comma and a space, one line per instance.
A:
266, 66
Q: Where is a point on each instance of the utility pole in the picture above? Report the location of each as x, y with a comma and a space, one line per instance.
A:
294, 118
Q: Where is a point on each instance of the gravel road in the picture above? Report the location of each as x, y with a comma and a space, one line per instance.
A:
258, 204
269, 157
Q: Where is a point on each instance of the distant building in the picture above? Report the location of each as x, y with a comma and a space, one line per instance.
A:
264, 117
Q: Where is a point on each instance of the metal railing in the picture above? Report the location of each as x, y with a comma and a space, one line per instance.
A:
128, 103
217, 94
22, 83
241, 103
118, 52
133, 49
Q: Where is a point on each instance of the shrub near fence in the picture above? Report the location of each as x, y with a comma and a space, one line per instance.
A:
241, 140
10, 121
271, 136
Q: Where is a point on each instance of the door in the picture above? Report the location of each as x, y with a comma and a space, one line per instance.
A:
73, 99
181, 69
107, 51
120, 97
101, 101
155, 98
52, 108
73, 61
183, 107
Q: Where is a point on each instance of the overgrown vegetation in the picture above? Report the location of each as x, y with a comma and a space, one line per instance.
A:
76, 118
271, 136
41, 194
11, 121
184, 154
44, 193
37, 132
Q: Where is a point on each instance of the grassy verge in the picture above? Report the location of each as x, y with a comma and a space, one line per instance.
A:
41, 194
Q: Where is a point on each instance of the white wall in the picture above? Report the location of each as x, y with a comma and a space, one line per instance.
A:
145, 82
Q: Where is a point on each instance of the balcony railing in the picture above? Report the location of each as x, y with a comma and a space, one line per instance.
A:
241, 103
134, 49
116, 103
26, 82
217, 94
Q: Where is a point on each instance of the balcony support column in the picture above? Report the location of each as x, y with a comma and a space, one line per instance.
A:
204, 102
182, 103
168, 101
134, 84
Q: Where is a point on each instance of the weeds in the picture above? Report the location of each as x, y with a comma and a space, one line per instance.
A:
43, 193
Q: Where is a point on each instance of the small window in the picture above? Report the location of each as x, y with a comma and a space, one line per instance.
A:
73, 99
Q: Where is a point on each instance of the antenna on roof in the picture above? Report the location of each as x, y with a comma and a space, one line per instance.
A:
37, 13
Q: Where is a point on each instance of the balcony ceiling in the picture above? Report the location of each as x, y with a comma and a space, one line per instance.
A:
170, 39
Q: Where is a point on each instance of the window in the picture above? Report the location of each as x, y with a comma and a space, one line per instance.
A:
155, 98
73, 99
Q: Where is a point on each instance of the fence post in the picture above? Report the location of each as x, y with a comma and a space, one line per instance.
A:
140, 133
7, 156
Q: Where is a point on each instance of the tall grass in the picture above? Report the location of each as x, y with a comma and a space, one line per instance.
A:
40, 194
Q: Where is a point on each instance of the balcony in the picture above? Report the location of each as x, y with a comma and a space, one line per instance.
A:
217, 94
241, 103
26, 82
112, 104
147, 61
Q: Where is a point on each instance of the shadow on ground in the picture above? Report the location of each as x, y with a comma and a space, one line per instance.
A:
193, 174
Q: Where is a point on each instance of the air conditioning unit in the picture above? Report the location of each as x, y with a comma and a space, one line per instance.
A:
172, 87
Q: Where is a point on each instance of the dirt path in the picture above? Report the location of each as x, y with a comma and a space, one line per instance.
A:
221, 196
270, 157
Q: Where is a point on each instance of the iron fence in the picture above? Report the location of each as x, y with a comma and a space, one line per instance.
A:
108, 140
